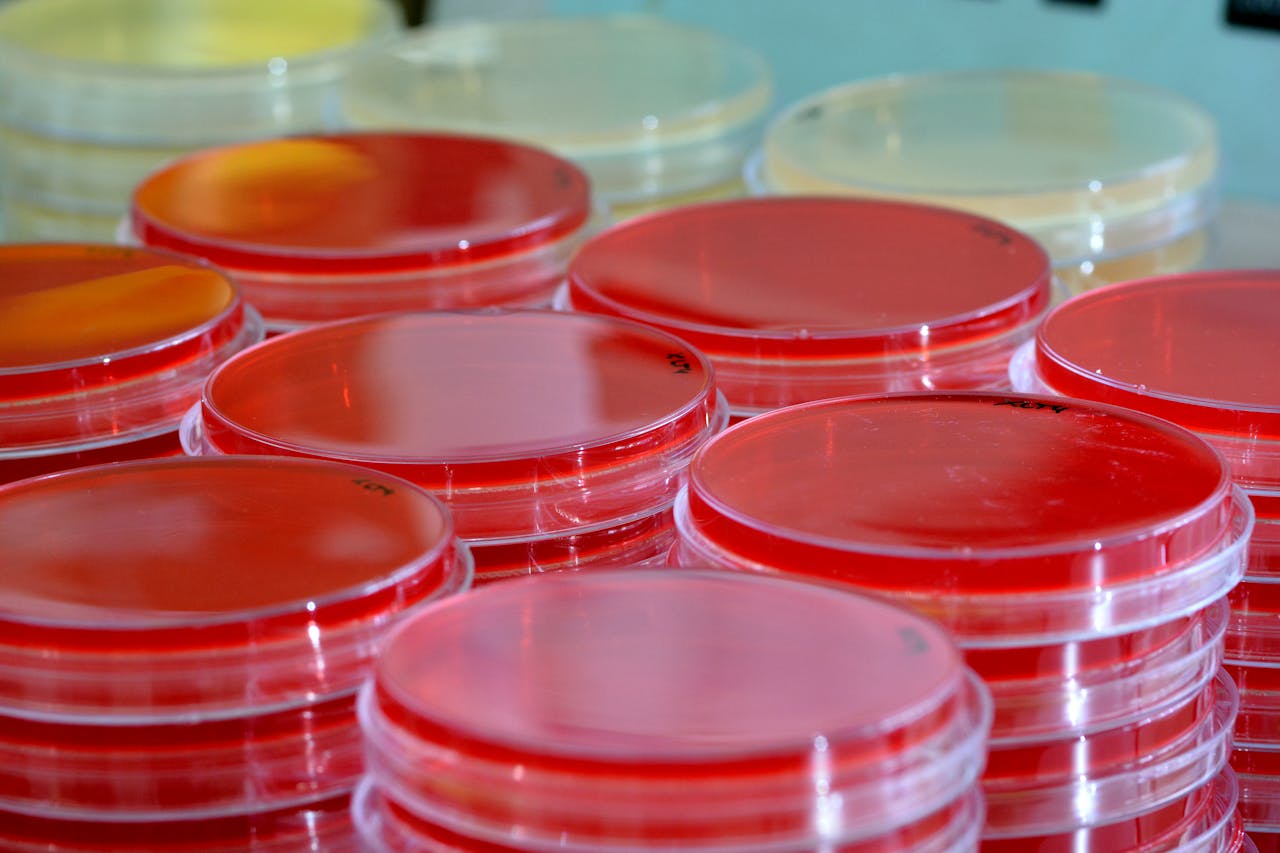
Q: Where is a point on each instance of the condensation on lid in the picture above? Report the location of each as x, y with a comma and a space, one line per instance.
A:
574, 83
78, 315
168, 551
494, 399
1070, 157
346, 203
818, 277
1200, 349
186, 35
644, 668
962, 493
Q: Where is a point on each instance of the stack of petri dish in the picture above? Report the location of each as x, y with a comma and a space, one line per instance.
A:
320, 228
1199, 349
181, 646
635, 710
94, 95
104, 349
1116, 179
656, 113
1079, 553
828, 297
558, 440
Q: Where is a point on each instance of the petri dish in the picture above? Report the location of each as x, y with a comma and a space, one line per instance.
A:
104, 350
321, 825
1098, 683
524, 422
1204, 821
163, 772
649, 108
319, 228
1015, 520
835, 296
1094, 168
1195, 349
1074, 781
96, 95
1258, 720
634, 704
183, 590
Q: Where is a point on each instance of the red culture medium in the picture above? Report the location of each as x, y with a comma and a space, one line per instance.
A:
526, 423
827, 297
104, 348
1001, 515
598, 710
324, 227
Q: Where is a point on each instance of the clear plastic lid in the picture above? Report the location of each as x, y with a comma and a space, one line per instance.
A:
1080, 780
166, 771
321, 825
1258, 720
523, 422
1204, 821
375, 203
837, 296
139, 72
1198, 349
1015, 520
1099, 682
1090, 166
103, 345
385, 827
188, 589
647, 106
598, 709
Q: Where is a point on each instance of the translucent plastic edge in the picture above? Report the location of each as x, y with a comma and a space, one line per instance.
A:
1118, 695
314, 751
996, 621
362, 640
940, 771
960, 835
1075, 801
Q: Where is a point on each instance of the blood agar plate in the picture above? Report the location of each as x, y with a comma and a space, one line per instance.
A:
104, 349
1015, 520
320, 228
186, 590
525, 423
598, 710
828, 297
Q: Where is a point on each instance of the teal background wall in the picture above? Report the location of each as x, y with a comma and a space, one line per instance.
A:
1183, 45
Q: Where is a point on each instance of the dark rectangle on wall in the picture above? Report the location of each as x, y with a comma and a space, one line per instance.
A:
1076, 2
1258, 14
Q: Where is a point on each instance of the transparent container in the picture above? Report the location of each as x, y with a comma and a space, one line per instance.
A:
95, 95
323, 825
530, 425
1198, 349
1075, 781
1204, 821
1116, 179
656, 113
181, 591
320, 228
1014, 520
838, 296
104, 349
641, 709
